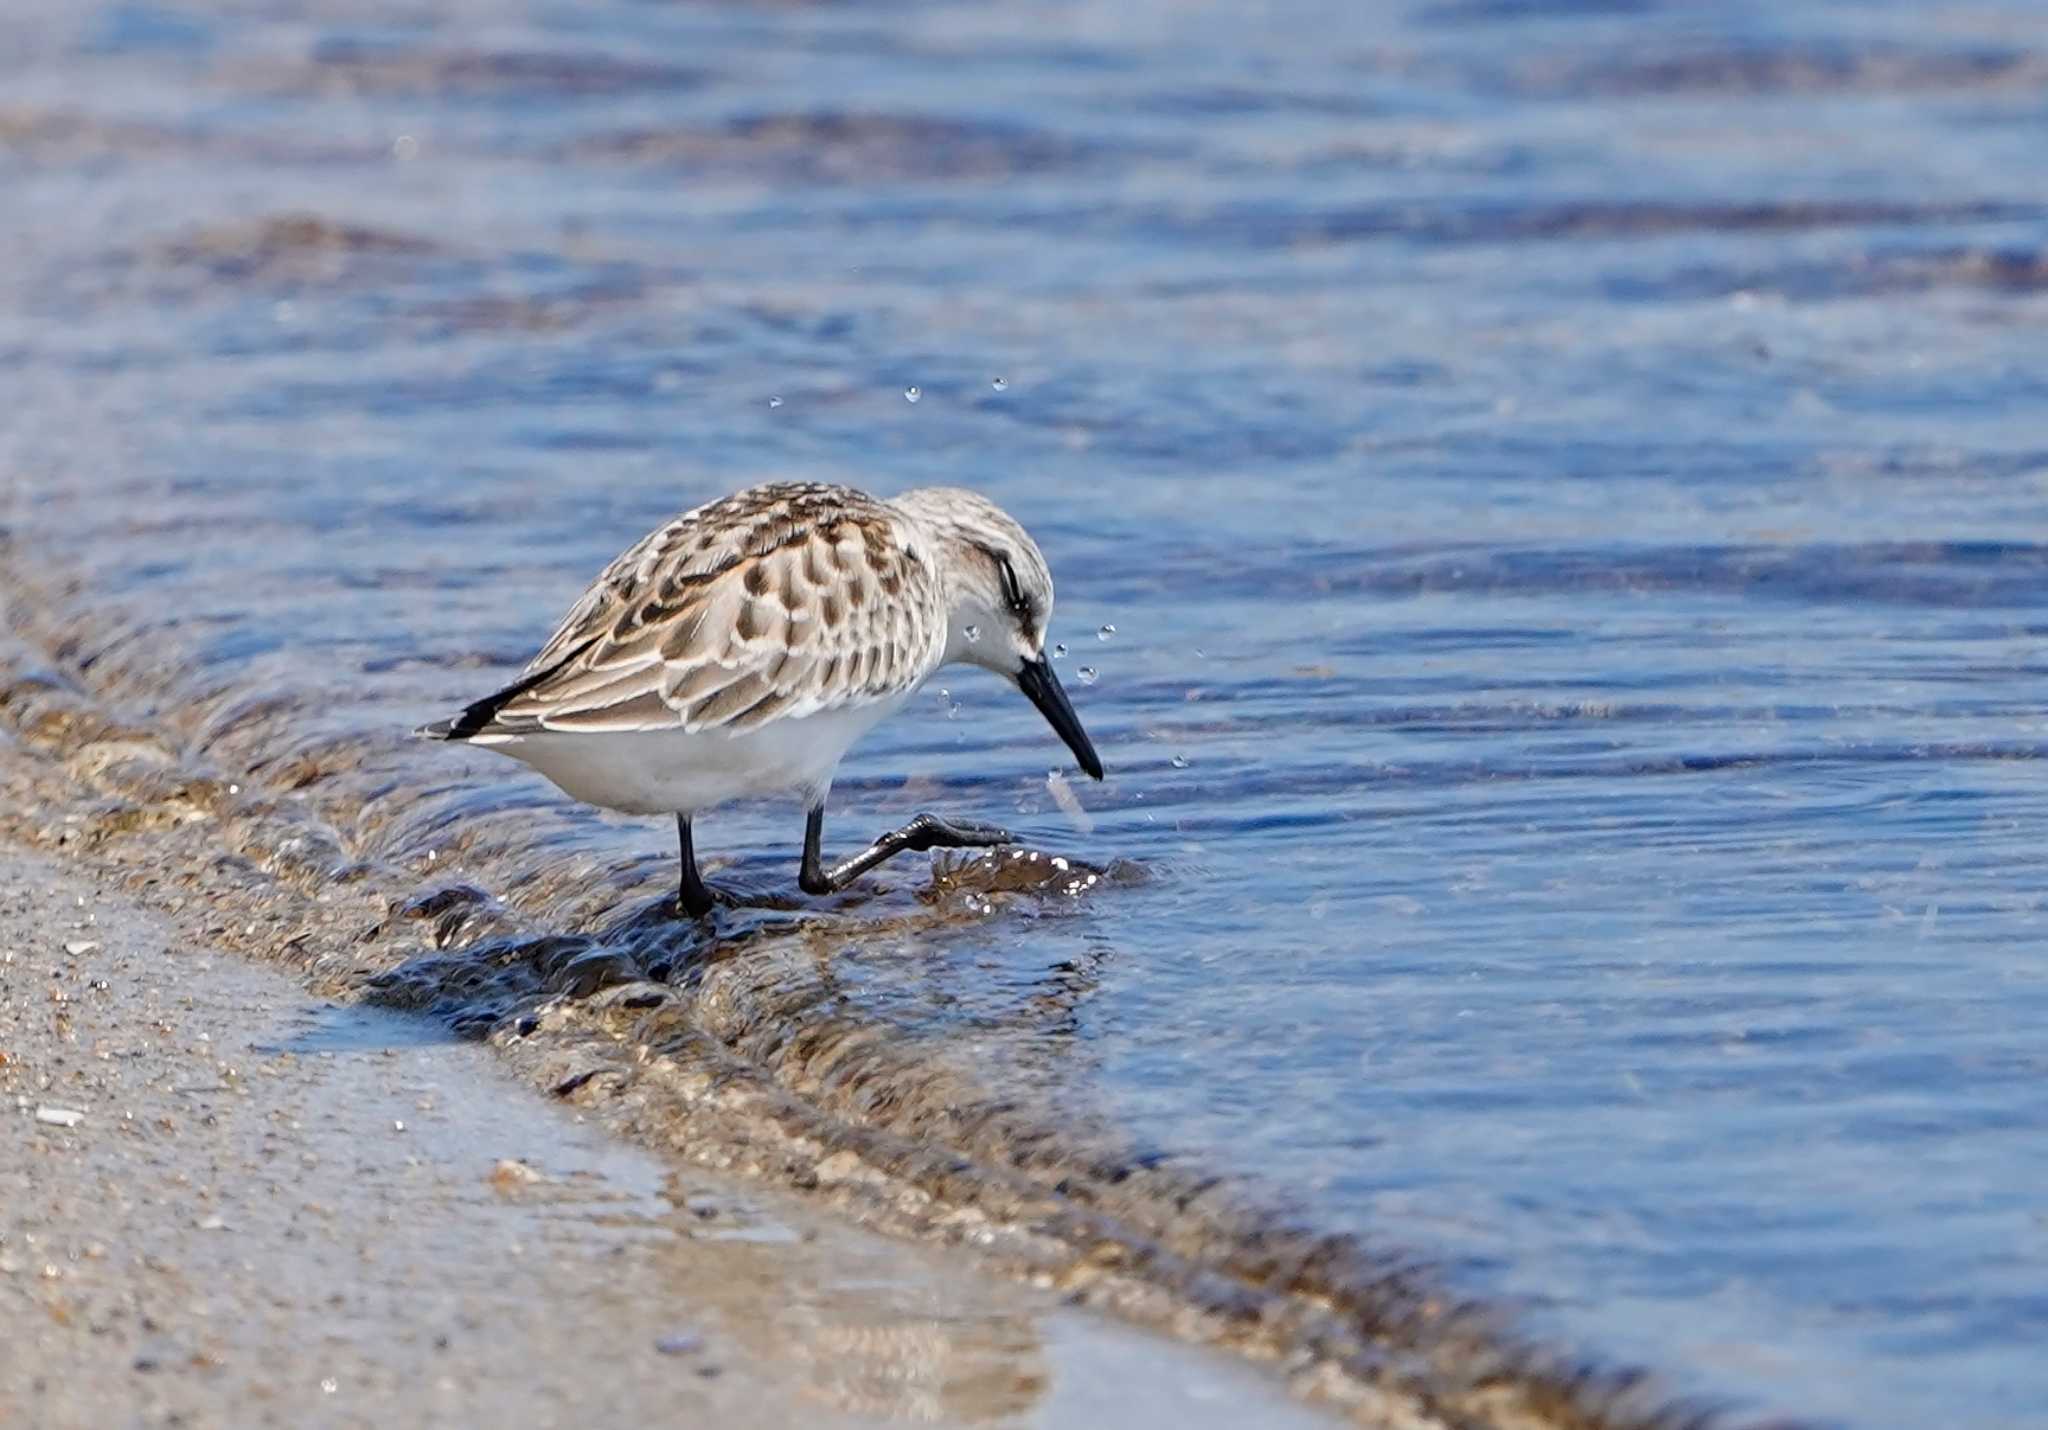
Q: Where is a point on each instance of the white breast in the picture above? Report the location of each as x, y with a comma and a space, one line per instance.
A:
677, 772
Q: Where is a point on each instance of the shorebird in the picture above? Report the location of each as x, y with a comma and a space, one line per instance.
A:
743, 647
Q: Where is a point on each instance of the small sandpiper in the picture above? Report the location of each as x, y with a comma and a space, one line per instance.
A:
742, 648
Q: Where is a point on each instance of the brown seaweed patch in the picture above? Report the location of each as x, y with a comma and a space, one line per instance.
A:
1996, 270
2016, 270
1018, 870
1588, 219
840, 146
1993, 269
49, 137
60, 137
530, 313
355, 67
1817, 68
293, 249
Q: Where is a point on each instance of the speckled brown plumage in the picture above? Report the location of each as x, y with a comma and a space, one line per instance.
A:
766, 604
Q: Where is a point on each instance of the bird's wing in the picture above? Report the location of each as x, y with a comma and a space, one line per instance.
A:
778, 602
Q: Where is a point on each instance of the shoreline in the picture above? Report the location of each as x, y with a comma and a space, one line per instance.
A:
299, 852
230, 1203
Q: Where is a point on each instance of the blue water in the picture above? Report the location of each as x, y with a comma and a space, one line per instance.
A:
1569, 482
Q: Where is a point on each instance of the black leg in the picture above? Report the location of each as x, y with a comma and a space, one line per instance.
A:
927, 831
694, 898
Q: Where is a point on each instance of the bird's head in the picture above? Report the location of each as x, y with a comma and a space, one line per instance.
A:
999, 599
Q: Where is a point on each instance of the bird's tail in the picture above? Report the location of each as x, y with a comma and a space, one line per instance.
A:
476, 719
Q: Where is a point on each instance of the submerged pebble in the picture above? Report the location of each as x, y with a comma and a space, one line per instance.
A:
509, 1174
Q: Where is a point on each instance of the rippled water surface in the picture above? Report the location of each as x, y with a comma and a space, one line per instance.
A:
1569, 483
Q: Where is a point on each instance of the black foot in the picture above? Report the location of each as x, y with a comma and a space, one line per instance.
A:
713, 900
927, 831
931, 831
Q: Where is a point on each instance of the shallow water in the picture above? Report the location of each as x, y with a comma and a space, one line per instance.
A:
1567, 483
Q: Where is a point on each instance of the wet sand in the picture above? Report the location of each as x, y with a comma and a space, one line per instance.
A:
226, 1202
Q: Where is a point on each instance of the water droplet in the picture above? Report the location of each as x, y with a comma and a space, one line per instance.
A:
974, 633
1000, 384
1059, 652
1105, 633
775, 402
1180, 762
911, 394
1087, 675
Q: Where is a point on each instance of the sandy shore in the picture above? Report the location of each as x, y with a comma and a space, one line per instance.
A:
225, 1203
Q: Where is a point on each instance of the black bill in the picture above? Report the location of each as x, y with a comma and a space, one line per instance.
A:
1038, 682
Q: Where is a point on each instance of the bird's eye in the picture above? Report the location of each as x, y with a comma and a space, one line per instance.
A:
1013, 590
